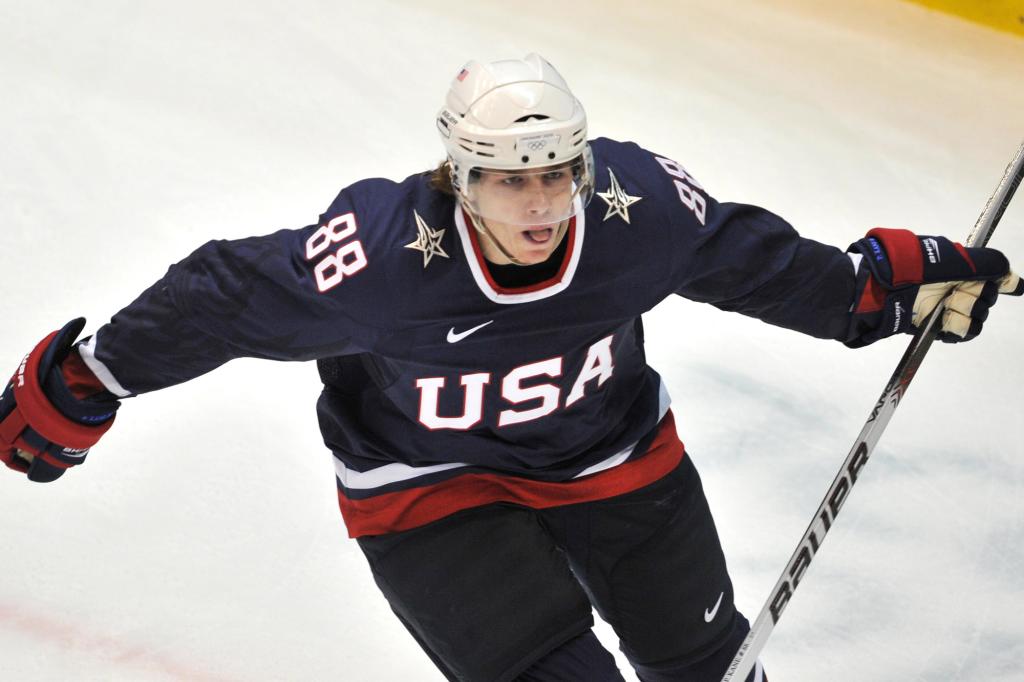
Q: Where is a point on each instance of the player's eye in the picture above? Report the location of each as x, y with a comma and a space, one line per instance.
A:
554, 176
512, 180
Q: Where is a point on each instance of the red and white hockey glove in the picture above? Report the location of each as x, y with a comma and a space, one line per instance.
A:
44, 427
902, 277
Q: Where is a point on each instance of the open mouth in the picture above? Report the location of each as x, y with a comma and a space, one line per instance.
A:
540, 235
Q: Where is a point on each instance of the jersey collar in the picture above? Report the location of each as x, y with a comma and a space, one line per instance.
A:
550, 287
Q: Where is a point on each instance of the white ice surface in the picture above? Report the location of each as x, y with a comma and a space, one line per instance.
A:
202, 541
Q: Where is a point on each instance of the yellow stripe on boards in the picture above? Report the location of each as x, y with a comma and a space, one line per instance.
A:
1005, 15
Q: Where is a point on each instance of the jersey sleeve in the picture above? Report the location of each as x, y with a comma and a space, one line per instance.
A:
753, 262
746, 259
283, 296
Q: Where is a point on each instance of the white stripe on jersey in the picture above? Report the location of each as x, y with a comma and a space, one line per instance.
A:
613, 461
622, 455
389, 473
396, 472
88, 352
856, 258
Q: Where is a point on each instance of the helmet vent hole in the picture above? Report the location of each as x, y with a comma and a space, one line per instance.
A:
526, 159
528, 117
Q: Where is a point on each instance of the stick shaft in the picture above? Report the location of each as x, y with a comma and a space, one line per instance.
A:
861, 451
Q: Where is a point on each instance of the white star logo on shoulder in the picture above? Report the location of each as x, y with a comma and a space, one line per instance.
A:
428, 240
617, 199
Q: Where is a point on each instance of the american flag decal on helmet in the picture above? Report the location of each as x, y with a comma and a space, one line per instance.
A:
462, 75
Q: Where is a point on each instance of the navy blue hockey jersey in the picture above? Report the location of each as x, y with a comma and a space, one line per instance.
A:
444, 390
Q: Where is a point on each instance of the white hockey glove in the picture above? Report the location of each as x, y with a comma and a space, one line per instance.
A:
967, 306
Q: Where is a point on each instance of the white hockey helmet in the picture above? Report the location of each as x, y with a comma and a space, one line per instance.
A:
515, 115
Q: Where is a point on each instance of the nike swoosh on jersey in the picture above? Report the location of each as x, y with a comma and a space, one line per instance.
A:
709, 615
454, 337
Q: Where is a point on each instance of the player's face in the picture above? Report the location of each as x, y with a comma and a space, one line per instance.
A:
525, 211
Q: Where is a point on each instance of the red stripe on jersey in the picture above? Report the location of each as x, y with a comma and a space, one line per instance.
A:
904, 251
570, 234
406, 509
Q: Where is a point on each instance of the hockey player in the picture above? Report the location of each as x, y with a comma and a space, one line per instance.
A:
504, 455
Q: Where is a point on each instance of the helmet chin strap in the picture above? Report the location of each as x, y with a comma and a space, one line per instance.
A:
481, 227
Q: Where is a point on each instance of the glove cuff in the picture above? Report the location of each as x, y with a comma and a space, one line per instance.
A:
897, 254
38, 409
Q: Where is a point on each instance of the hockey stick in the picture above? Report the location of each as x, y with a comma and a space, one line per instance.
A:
883, 410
